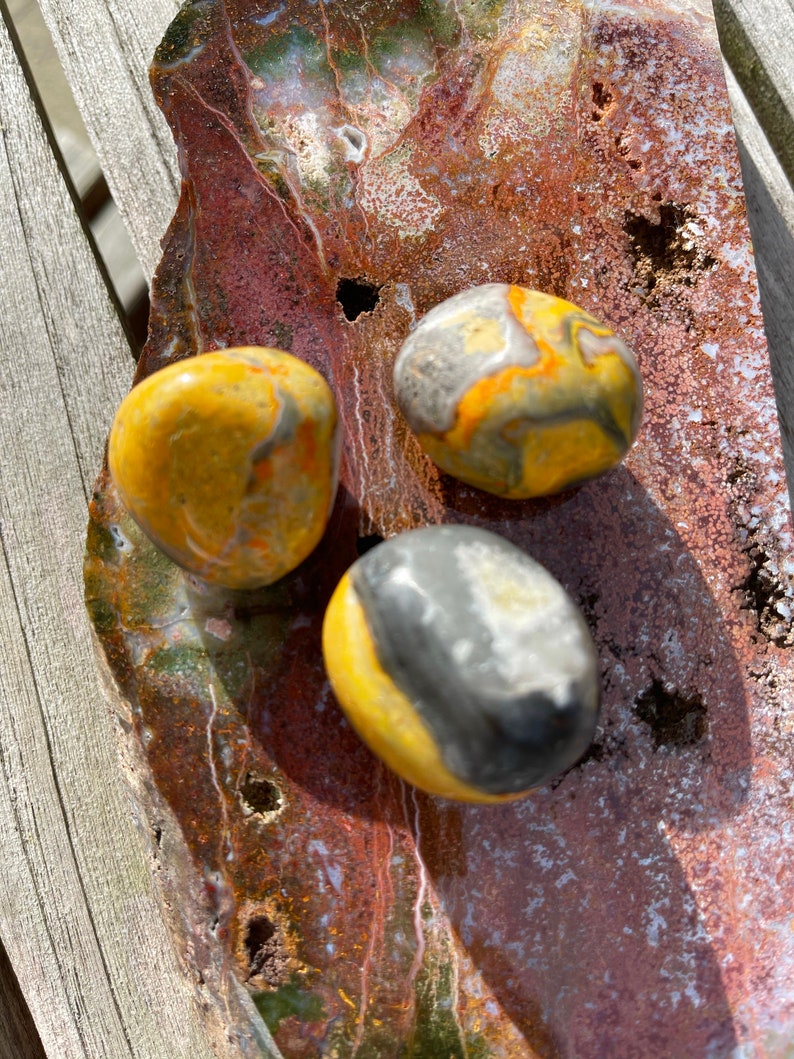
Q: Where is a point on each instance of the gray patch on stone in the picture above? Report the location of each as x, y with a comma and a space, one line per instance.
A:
432, 371
592, 346
489, 648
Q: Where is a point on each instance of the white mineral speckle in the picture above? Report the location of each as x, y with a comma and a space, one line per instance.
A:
389, 189
307, 140
123, 544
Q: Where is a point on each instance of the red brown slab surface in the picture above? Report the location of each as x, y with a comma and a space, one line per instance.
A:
641, 905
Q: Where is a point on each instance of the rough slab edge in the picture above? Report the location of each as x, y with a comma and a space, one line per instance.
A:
183, 895
19, 1038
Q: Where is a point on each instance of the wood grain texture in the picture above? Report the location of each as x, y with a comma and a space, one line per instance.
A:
756, 38
770, 208
80, 919
105, 47
758, 64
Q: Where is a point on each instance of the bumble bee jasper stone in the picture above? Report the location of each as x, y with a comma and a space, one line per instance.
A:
518, 392
462, 663
228, 462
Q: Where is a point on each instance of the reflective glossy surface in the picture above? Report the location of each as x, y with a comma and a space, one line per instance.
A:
462, 663
518, 392
228, 462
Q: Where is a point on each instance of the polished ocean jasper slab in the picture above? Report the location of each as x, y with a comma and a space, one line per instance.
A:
347, 166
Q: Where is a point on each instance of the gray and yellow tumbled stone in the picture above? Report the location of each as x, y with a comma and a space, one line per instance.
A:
462, 663
517, 392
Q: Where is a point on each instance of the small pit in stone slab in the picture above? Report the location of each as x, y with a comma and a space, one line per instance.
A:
763, 592
675, 719
264, 950
355, 143
602, 99
667, 249
357, 296
259, 795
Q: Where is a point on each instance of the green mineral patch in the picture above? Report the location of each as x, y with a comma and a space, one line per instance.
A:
101, 544
186, 33
351, 61
291, 999
268, 168
145, 580
276, 57
103, 614
412, 41
146, 599
481, 16
477, 1048
410, 34
190, 669
442, 20
188, 663
436, 1030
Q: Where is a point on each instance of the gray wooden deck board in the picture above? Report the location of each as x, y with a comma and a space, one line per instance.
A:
80, 919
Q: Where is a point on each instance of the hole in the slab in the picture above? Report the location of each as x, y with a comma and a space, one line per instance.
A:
259, 794
263, 947
669, 246
602, 99
675, 719
763, 593
357, 296
355, 137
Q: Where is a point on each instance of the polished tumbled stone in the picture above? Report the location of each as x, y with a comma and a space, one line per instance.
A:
463, 663
518, 392
228, 462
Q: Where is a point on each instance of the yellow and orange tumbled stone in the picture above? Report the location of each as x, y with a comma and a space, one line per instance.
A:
228, 462
518, 392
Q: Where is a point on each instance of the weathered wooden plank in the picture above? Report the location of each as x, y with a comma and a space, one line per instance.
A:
105, 47
756, 38
761, 90
770, 206
80, 918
